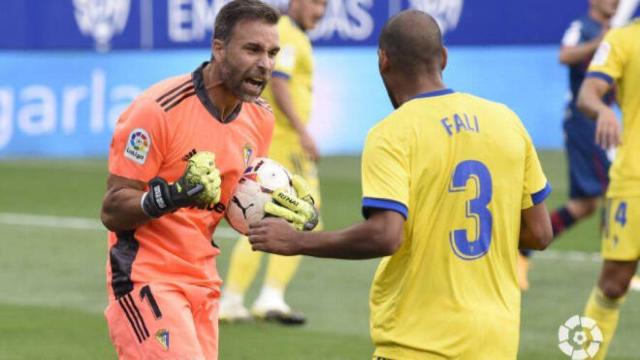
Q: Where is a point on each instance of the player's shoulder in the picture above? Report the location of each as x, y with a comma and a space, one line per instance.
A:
507, 119
487, 105
629, 32
168, 91
262, 110
153, 102
287, 27
291, 33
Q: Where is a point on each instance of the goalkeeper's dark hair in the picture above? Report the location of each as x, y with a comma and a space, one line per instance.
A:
413, 42
238, 10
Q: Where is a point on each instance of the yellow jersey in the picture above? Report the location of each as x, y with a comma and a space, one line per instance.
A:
294, 63
618, 60
460, 169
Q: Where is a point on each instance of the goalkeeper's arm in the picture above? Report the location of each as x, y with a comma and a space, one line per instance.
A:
127, 206
121, 210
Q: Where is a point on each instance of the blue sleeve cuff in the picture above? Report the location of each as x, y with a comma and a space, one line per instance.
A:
539, 196
601, 75
383, 204
280, 74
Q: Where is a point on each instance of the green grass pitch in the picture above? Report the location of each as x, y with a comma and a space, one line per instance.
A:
52, 286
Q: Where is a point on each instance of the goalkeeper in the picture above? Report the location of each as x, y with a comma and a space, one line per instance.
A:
176, 156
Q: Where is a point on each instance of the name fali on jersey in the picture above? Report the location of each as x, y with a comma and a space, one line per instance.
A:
460, 122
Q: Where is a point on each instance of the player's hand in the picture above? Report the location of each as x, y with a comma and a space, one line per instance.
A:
607, 129
309, 146
274, 236
298, 210
198, 186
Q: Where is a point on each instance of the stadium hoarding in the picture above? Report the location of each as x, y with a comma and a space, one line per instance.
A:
68, 107
159, 24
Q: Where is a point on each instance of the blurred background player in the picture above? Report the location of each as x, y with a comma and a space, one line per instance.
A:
440, 155
616, 63
588, 163
289, 94
163, 284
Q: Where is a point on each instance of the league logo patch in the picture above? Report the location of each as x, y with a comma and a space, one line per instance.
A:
163, 338
138, 146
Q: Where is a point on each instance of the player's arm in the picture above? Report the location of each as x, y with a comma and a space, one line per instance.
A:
535, 229
284, 101
571, 55
572, 51
121, 208
126, 205
380, 235
590, 102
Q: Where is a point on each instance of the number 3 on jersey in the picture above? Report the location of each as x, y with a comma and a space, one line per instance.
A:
477, 210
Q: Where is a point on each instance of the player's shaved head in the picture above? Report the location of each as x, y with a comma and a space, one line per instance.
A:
413, 42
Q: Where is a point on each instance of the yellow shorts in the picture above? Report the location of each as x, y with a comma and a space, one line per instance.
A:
291, 156
621, 233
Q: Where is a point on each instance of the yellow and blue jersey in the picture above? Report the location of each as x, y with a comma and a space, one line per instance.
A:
460, 169
294, 63
617, 61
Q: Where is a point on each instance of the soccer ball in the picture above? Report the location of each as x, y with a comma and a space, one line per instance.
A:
254, 190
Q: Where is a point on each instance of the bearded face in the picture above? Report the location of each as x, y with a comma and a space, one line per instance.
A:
245, 83
249, 58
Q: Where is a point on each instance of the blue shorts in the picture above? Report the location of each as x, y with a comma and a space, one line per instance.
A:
588, 163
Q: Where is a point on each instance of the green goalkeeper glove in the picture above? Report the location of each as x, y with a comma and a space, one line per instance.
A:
298, 210
198, 186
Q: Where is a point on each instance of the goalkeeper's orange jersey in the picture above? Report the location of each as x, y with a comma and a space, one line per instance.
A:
154, 137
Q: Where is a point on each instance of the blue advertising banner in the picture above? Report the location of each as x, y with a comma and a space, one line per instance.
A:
149, 24
68, 108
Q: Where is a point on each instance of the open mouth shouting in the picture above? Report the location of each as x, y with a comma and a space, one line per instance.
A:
255, 84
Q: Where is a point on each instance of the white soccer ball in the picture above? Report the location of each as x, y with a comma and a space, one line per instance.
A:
254, 190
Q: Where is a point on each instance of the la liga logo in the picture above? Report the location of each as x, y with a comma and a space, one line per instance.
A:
139, 141
138, 146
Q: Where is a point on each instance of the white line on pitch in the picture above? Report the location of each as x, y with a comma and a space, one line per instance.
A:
76, 223
80, 223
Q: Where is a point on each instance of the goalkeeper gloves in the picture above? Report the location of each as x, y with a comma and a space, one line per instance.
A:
298, 210
198, 186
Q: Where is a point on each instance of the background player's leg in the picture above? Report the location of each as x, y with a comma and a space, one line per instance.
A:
573, 211
271, 304
604, 303
243, 267
280, 271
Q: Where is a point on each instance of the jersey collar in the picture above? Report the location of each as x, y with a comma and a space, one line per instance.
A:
201, 91
433, 93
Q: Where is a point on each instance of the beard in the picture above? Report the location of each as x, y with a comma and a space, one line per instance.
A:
235, 80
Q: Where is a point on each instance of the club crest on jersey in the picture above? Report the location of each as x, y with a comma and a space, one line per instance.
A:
101, 19
247, 151
138, 146
162, 336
